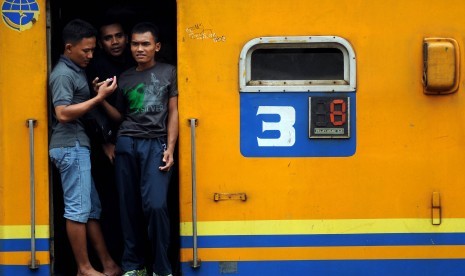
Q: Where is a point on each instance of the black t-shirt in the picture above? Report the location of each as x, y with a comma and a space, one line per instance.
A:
99, 127
106, 66
143, 100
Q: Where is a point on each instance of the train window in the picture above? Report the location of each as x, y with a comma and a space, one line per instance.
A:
297, 64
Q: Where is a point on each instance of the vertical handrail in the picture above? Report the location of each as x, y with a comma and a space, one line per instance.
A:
31, 123
196, 262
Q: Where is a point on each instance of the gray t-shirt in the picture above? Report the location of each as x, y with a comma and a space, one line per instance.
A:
143, 100
68, 85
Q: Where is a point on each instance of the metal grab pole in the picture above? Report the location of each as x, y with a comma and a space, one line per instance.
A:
31, 123
196, 262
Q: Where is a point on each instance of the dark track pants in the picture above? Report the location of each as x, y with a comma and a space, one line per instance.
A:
143, 190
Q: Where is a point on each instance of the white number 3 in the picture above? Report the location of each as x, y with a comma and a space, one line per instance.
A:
285, 126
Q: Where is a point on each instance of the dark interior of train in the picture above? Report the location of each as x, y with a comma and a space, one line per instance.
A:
163, 14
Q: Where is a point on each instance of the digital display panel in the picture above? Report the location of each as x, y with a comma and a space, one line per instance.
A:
329, 117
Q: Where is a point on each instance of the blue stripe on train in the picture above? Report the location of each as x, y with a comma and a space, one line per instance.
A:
325, 240
23, 245
330, 268
23, 270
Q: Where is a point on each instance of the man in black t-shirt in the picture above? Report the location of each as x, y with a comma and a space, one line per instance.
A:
112, 58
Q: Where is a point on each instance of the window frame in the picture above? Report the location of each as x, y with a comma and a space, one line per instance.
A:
346, 85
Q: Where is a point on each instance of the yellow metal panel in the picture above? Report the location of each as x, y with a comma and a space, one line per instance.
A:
327, 253
23, 95
23, 231
23, 258
315, 227
408, 145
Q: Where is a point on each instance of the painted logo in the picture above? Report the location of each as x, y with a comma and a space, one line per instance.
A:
20, 15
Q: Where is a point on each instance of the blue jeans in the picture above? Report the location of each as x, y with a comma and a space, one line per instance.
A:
143, 195
80, 196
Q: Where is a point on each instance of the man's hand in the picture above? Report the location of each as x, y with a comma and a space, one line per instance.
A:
104, 88
109, 150
168, 159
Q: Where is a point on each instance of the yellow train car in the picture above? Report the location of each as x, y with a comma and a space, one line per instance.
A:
316, 137
324, 137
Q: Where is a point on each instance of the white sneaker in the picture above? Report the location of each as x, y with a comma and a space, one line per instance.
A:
155, 274
140, 272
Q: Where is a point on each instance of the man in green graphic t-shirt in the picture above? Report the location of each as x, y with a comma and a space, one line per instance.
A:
147, 106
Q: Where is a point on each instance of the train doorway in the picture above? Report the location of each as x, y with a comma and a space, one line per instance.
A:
163, 14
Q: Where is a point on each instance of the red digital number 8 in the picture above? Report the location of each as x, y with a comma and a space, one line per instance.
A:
341, 112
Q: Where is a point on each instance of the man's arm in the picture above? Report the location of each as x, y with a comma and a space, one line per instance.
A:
112, 112
173, 130
68, 113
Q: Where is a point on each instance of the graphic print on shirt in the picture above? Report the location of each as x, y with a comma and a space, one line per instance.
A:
146, 98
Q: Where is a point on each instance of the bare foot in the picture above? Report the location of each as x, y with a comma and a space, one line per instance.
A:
89, 272
112, 270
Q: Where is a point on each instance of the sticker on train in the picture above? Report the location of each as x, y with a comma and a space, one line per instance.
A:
20, 15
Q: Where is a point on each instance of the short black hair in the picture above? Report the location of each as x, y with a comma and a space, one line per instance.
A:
144, 27
108, 22
76, 30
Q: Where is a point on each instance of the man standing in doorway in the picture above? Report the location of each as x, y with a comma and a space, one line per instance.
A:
111, 59
147, 105
69, 146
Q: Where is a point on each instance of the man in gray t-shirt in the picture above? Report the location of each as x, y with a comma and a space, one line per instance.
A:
147, 106
144, 100
69, 145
